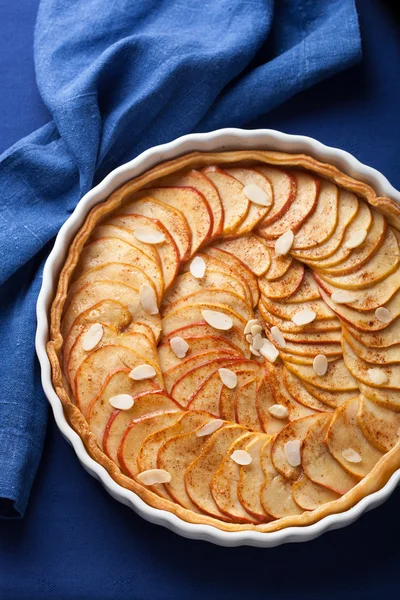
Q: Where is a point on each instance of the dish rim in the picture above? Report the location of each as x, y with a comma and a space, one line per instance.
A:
218, 140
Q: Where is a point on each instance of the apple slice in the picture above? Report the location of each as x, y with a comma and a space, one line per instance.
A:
234, 335
282, 396
212, 296
288, 311
246, 405
382, 293
189, 421
251, 251
303, 206
333, 399
138, 341
385, 338
276, 491
173, 220
224, 484
145, 403
108, 312
245, 371
382, 264
136, 432
197, 344
319, 227
296, 388
378, 356
187, 315
167, 250
239, 267
199, 474
383, 396
283, 189
284, 287
91, 294
186, 365
92, 373
256, 212
344, 433
337, 378
311, 350
280, 264
235, 204
288, 327
360, 369
347, 211
307, 292
100, 410
192, 204
295, 431
126, 235
120, 272
186, 284
175, 456
111, 249
264, 400
309, 495
251, 479
214, 264
362, 253
319, 464
190, 384
379, 425
201, 183
362, 221
305, 360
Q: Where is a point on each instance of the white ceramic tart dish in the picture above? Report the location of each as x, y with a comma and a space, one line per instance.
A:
218, 332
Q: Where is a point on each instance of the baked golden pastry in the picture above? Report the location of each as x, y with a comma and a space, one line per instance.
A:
225, 338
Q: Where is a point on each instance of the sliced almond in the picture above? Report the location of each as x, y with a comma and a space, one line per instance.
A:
249, 325
142, 372
148, 235
356, 239
292, 453
256, 329
255, 194
198, 267
278, 337
284, 243
383, 315
148, 299
377, 376
257, 341
92, 337
228, 378
351, 455
152, 476
254, 350
320, 365
269, 351
122, 401
303, 317
278, 411
179, 346
209, 427
217, 319
343, 297
241, 457
249, 338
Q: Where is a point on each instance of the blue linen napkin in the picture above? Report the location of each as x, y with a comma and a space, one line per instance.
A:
117, 78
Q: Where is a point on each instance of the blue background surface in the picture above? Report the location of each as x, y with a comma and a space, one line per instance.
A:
76, 541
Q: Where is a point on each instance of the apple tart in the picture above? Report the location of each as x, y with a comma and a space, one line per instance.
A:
225, 338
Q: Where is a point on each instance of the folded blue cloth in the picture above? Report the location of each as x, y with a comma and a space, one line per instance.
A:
117, 78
